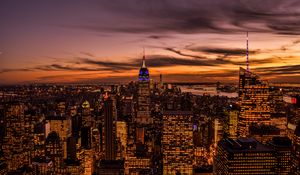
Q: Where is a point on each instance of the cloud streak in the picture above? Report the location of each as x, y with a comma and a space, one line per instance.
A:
193, 16
117, 29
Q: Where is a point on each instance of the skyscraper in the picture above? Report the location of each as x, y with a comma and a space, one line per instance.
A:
86, 114
253, 100
230, 127
177, 142
110, 152
143, 111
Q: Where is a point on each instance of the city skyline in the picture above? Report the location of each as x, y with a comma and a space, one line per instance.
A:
147, 127
191, 41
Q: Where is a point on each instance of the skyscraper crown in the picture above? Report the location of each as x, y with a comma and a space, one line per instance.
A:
144, 72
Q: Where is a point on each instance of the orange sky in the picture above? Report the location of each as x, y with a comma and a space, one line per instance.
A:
97, 41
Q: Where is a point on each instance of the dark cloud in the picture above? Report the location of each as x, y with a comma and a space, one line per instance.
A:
288, 46
157, 37
223, 51
108, 64
184, 54
159, 16
58, 67
98, 65
194, 16
154, 61
55, 67
88, 54
224, 56
62, 76
290, 70
151, 60
164, 61
15, 70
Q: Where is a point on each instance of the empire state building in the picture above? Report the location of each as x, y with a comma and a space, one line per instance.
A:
143, 112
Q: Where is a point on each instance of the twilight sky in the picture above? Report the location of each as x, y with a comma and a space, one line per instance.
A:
185, 40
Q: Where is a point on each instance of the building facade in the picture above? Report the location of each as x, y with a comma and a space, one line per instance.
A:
244, 156
253, 100
143, 109
177, 142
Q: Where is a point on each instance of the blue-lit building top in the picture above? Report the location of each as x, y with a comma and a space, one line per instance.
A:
144, 72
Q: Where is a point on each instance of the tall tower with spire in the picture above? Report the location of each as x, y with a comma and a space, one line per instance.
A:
144, 72
253, 99
143, 112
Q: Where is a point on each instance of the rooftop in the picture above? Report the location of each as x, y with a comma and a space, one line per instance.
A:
256, 129
283, 142
243, 145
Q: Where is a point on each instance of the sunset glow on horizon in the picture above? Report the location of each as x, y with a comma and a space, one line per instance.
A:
186, 41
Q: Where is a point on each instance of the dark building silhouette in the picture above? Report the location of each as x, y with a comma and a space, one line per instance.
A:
86, 137
110, 153
71, 148
76, 125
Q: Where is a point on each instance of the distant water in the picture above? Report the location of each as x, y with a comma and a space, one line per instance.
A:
204, 89
211, 90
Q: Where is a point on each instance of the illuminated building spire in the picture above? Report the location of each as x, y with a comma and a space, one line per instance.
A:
247, 54
144, 72
144, 61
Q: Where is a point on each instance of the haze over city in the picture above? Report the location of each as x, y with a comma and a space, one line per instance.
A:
187, 41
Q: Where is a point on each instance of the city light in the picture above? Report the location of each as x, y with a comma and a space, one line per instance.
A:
217, 93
